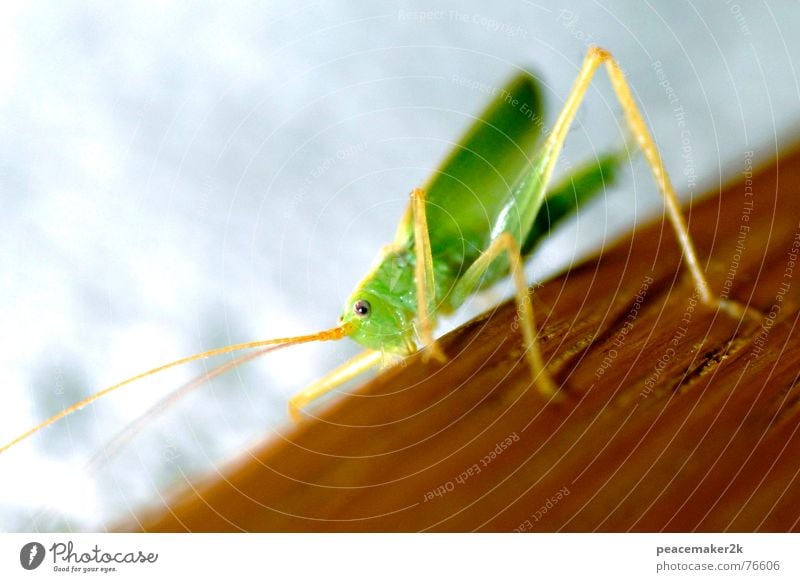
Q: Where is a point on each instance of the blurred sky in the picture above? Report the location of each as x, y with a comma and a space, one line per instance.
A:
176, 177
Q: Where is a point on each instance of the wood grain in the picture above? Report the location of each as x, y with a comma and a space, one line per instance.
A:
675, 417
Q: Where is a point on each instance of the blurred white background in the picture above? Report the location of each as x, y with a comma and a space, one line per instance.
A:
177, 177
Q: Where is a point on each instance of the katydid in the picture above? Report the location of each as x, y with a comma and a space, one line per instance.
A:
470, 225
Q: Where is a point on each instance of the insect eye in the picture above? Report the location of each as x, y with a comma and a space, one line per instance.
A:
361, 308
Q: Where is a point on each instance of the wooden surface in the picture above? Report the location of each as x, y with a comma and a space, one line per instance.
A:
675, 417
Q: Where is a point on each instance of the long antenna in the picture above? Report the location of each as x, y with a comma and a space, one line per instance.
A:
335, 333
124, 436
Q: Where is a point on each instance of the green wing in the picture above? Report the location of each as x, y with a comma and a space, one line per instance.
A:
474, 183
560, 202
575, 190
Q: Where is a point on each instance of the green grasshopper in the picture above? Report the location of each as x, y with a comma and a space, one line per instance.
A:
473, 223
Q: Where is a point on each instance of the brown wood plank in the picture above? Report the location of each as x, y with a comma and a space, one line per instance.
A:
675, 418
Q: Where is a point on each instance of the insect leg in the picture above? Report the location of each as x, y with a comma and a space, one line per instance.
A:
470, 282
350, 369
423, 274
594, 58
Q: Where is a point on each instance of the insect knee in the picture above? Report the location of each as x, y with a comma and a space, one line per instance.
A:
600, 53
